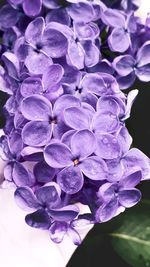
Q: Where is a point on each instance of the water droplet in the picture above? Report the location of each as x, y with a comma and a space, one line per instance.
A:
114, 140
105, 140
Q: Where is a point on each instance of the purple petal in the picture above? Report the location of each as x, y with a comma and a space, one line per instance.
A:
126, 81
55, 43
49, 195
113, 18
143, 54
32, 8
77, 118
86, 31
92, 53
21, 176
81, 12
107, 211
130, 100
136, 158
52, 76
21, 49
38, 219
58, 231
32, 153
67, 213
7, 172
36, 108
36, 133
89, 98
8, 16
11, 63
25, 198
116, 170
94, 83
107, 146
143, 73
43, 172
79, 142
94, 168
132, 179
31, 85
65, 101
58, 155
15, 143
76, 55
51, 4
70, 179
106, 191
59, 15
105, 122
59, 128
33, 33
37, 63
119, 40
74, 235
129, 198
108, 104
124, 65
124, 139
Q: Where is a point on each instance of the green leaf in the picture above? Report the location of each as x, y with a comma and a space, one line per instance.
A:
132, 239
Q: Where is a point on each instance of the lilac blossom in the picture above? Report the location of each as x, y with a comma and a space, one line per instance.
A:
65, 141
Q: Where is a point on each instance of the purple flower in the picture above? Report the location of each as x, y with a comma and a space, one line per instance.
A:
117, 196
75, 161
41, 43
44, 121
129, 67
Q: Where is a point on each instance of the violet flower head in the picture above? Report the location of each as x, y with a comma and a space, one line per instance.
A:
65, 141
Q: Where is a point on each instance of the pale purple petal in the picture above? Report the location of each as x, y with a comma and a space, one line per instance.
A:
124, 139
74, 235
58, 155
31, 85
59, 15
143, 73
52, 76
58, 231
132, 179
81, 12
32, 8
107, 146
85, 31
36, 133
21, 176
25, 198
70, 179
92, 53
108, 104
76, 55
65, 101
55, 44
143, 55
77, 118
67, 213
107, 211
79, 142
8, 16
94, 83
105, 122
113, 18
11, 63
129, 198
124, 65
94, 168
36, 108
119, 40
34, 31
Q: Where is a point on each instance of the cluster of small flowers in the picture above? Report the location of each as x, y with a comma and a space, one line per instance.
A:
64, 65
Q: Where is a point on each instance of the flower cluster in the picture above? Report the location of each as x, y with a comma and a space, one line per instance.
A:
64, 65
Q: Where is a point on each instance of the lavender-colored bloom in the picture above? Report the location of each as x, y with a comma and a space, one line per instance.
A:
8, 17
116, 196
40, 44
75, 161
128, 66
43, 119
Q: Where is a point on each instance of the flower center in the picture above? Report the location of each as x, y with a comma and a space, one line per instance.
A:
76, 162
53, 120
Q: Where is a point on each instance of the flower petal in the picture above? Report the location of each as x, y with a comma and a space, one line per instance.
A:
119, 40
113, 18
129, 198
70, 180
79, 142
76, 55
67, 213
31, 85
94, 83
36, 108
107, 211
25, 198
143, 54
32, 8
43, 172
81, 12
92, 53
38, 219
94, 168
105, 122
33, 33
77, 118
107, 146
132, 179
124, 64
36, 133
58, 231
21, 176
52, 76
143, 73
11, 63
65, 101
74, 235
55, 43
8, 16
58, 155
